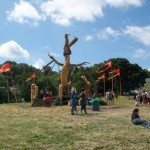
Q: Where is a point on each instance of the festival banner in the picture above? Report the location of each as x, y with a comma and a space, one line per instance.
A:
33, 75
104, 67
5, 68
101, 77
114, 73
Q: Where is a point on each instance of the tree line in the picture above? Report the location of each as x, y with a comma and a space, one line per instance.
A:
132, 76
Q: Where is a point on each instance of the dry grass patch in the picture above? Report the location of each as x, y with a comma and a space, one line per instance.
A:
28, 128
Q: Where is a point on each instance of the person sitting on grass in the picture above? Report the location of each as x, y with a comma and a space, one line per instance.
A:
136, 120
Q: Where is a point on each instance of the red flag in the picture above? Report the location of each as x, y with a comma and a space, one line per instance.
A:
33, 75
105, 67
115, 73
5, 68
102, 76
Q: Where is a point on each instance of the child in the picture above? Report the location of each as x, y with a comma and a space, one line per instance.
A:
73, 100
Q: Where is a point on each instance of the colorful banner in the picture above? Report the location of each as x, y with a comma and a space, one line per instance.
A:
33, 75
101, 77
114, 73
104, 67
5, 68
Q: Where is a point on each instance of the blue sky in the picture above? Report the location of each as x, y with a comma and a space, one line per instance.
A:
30, 29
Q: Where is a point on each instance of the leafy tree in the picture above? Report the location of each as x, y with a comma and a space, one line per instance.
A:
132, 76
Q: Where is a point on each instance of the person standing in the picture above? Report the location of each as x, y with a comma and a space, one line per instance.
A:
144, 98
83, 100
110, 98
148, 96
73, 100
107, 98
139, 96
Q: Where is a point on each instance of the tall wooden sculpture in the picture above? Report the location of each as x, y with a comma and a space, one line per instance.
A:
34, 92
63, 87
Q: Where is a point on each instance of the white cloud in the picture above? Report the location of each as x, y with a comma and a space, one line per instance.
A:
13, 50
88, 37
24, 12
61, 12
141, 53
54, 54
39, 64
107, 33
124, 3
141, 34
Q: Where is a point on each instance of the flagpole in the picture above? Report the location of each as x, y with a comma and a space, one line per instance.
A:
104, 87
14, 90
112, 85
6, 68
34, 80
120, 86
7, 89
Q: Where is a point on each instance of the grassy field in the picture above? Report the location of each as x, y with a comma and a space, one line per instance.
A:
40, 128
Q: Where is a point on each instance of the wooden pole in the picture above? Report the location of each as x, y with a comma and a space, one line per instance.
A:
14, 90
113, 90
120, 86
104, 87
112, 85
7, 89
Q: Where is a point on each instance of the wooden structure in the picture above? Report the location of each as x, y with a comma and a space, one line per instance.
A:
63, 89
34, 92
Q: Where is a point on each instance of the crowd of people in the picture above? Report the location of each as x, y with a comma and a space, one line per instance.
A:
85, 97
46, 96
44, 93
141, 97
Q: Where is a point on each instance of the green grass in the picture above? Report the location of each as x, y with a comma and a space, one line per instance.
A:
40, 128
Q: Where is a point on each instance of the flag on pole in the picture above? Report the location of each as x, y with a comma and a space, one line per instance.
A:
114, 73
33, 75
101, 77
105, 67
5, 68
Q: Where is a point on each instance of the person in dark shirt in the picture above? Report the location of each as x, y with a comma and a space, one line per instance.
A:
136, 120
83, 100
